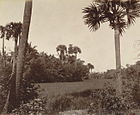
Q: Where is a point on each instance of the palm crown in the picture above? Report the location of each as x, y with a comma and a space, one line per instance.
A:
120, 14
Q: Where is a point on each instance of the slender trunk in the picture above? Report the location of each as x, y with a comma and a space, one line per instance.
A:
99, 108
117, 49
3, 46
75, 55
3, 52
62, 56
10, 101
22, 47
118, 61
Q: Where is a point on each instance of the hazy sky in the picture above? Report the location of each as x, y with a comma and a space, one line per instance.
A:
57, 22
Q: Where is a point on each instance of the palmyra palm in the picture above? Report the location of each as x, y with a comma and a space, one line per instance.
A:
62, 50
119, 13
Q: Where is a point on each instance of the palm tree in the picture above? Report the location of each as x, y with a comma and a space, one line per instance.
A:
70, 49
76, 50
22, 47
62, 51
13, 30
119, 13
73, 50
90, 66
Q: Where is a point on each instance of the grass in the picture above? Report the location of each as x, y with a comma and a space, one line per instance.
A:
64, 96
61, 88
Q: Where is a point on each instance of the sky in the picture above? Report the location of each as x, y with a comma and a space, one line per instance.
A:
57, 22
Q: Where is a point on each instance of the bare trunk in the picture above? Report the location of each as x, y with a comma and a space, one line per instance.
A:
117, 49
118, 61
3, 46
62, 56
22, 47
10, 101
3, 53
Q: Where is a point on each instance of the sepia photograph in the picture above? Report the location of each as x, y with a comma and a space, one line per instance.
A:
69, 57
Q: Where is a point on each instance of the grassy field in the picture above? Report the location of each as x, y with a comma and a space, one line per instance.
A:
60, 88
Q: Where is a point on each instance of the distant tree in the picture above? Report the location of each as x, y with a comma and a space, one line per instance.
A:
73, 50
76, 50
70, 49
90, 66
62, 50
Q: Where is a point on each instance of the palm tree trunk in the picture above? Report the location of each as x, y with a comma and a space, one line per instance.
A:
117, 49
3, 52
10, 101
118, 60
62, 56
22, 47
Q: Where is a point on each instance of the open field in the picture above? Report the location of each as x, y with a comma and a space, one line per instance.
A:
60, 88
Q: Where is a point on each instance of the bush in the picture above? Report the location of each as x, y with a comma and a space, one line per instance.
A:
67, 102
4, 76
107, 100
34, 107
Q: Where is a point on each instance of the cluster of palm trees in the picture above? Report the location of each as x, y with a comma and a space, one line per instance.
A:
10, 31
119, 13
65, 52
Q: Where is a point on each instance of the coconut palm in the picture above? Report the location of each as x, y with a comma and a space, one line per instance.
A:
22, 47
62, 50
119, 13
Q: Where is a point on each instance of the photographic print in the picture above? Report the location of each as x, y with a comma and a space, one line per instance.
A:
69, 57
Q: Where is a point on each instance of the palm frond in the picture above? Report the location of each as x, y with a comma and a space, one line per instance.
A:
93, 16
132, 10
112, 11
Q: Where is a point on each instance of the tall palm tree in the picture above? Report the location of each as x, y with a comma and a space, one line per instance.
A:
13, 30
22, 47
119, 13
62, 50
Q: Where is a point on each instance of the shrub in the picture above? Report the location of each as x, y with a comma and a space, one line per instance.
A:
61, 103
33, 107
107, 100
69, 102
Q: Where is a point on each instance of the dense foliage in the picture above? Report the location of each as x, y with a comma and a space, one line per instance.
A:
41, 67
29, 90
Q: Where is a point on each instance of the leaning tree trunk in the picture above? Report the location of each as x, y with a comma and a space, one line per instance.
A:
22, 47
10, 101
118, 60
